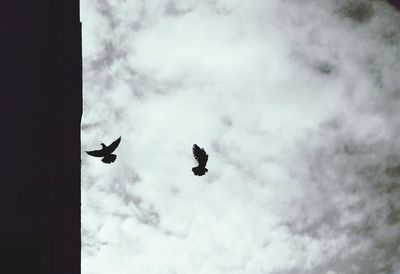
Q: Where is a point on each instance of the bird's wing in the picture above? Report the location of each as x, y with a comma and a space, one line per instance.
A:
96, 153
205, 159
200, 155
114, 145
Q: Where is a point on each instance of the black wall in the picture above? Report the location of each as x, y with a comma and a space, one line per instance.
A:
40, 112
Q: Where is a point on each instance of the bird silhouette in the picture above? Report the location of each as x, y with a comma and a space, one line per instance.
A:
201, 156
106, 152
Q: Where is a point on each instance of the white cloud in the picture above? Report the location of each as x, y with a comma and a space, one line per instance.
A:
296, 104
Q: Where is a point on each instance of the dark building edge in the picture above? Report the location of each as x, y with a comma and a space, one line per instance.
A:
40, 114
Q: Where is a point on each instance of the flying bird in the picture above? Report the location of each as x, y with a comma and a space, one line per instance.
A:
201, 156
106, 152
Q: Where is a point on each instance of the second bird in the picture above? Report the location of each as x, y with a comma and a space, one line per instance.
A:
201, 156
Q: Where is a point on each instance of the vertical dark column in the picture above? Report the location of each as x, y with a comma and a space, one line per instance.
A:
40, 112
63, 190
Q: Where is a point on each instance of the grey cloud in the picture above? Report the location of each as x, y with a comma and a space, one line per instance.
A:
148, 216
226, 120
109, 10
107, 57
359, 172
360, 11
118, 187
325, 67
172, 9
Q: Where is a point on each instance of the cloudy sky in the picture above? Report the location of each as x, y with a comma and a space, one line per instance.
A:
297, 104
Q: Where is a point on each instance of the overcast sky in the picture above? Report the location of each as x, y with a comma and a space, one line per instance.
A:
297, 104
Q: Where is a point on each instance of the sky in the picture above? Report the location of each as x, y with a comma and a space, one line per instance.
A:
297, 104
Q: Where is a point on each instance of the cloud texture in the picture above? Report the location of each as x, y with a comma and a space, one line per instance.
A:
297, 105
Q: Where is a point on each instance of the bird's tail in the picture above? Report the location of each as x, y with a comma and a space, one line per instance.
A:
109, 159
199, 171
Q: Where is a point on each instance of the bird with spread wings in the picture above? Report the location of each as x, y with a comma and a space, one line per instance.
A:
106, 152
201, 156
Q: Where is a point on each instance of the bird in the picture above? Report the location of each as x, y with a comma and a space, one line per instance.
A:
201, 156
106, 152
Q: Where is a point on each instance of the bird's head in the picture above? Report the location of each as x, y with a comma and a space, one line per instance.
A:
103, 145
